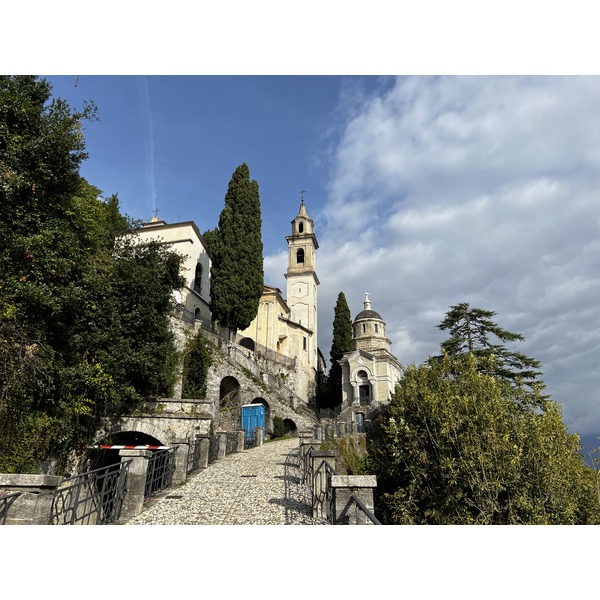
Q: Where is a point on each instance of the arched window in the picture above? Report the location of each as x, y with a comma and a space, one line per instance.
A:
364, 388
300, 256
198, 279
300, 227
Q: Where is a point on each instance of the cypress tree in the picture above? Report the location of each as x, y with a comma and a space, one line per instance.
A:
237, 276
342, 336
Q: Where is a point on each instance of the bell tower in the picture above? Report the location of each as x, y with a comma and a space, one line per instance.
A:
302, 280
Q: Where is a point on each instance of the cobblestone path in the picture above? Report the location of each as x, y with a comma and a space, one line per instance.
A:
260, 486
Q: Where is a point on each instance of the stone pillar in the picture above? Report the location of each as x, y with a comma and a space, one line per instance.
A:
34, 505
240, 440
204, 440
136, 481
345, 486
304, 435
222, 444
354, 427
318, 434
258, 431
181, 460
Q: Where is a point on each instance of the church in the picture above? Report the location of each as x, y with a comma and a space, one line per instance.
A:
287, 329
370, 371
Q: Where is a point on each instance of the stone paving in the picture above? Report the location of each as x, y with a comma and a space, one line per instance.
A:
260, 486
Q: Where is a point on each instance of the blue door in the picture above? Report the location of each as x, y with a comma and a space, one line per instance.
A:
253, 415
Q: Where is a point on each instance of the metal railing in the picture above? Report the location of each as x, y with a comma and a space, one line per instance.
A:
363, 515
322, 492
232, 443
161, 467
5, 503
250, 440
92, 498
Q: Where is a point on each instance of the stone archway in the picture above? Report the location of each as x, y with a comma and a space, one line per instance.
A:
228, 390
289, 428
104, 457
248, 343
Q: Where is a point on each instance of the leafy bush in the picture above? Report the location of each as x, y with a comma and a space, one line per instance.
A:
278, 427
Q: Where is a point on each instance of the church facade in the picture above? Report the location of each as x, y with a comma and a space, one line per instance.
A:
185, 239
369, 370
289, 326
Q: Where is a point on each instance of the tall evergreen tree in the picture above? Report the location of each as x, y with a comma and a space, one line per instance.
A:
342, 336
470, 329
237, 276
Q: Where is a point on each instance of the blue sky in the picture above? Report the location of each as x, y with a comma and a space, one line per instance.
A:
425, 192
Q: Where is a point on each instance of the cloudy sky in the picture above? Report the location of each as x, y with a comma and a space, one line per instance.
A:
426, 191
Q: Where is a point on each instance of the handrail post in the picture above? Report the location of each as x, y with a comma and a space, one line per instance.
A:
204, 440
136, 480
181, 460
222, 435
240, 440
259, 435
343, 488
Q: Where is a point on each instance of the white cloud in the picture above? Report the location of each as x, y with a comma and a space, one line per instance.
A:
477, 189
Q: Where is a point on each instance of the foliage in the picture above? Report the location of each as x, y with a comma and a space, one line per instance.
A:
84, 313
459, 445
352, 455
470, 329
342, 337
237, 267
196, 363
211, 239
278, 427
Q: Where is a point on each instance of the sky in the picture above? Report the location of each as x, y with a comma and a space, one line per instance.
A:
426, 191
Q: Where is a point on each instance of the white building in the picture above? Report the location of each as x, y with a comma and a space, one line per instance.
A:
185, 239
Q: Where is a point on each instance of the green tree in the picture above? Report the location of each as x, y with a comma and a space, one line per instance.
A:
470, 330
342, 337
196, 363
211, 239
457, 445
237, 277
84, 314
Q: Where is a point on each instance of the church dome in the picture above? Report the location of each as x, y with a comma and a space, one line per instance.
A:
369, 330
368, 314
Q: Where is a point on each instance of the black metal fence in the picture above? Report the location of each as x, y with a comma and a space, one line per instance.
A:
92, 498
161, 467
232, 443
250, 439
363, 515
322, 496
5, 503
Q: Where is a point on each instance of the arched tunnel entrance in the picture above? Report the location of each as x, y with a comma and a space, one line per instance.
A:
104, 457
289, 428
